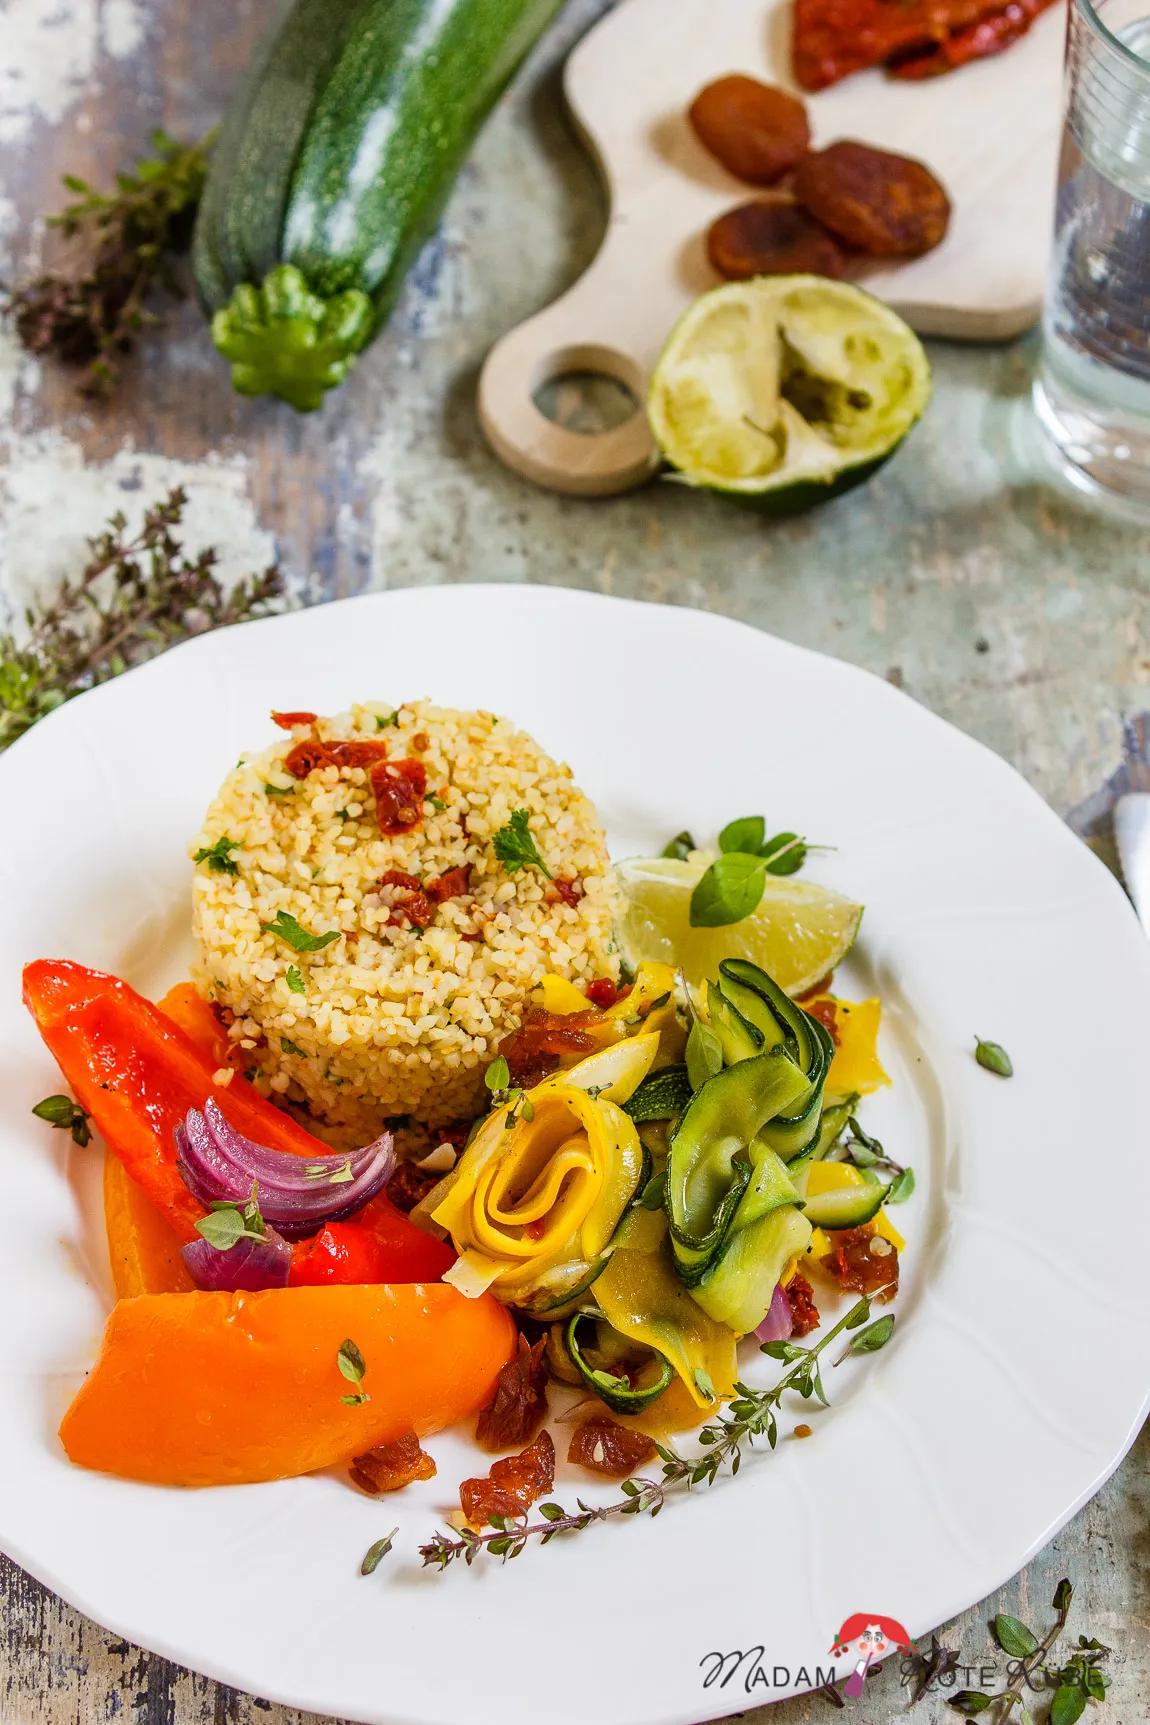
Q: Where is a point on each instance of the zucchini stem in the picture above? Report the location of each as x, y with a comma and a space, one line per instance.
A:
284, 339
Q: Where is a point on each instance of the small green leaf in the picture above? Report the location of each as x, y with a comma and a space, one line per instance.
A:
218, 857
375, 1554
382, 721
1063, 1594
285, 927
342, 1176
744, 835
290, 1047
527, 1109
1067, 1706
993, 1057
680, 847
552, 1511
874, 1337
970, 1702
516, 848
785, 854
350, 1361
728, 891
67, 1116
223, 1228
295, 979
704, 1054
437, 803
278, 790
355, 1401
703, 1384
901, 1188
498, 1074
1013, 1637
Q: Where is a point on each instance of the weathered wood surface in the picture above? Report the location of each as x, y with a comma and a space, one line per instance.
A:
959, 572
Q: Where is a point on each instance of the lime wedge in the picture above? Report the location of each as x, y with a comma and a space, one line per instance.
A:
785, 390
798, 933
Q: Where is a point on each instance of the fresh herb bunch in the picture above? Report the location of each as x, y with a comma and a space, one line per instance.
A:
752, 1414
1075, 1682
730, 889
514, 845
137, 594
125, 241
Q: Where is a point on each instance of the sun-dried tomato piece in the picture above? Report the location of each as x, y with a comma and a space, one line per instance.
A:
756, 130
770, 237
602, 993
570, 891
391, 1466
512, 1485
307, 757
421, 742
862, 1260
356, 752
801, 1299
604, 1446
977, 41
833, 38
826, 1011
399, 788
413, 902
880, 203
544, 1039
289, 721
519, 1405
452, 883
409, 1185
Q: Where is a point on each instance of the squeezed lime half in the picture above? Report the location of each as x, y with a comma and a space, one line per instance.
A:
785, 390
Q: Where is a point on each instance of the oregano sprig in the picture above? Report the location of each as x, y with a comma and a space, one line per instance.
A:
1079, 1680
750, 1416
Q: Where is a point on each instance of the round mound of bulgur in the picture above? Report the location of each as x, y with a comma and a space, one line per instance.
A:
398, 1011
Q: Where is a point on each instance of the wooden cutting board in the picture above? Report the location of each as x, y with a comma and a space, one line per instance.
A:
990, 133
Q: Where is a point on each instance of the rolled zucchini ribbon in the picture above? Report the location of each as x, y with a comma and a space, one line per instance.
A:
535, 1198
731, 1206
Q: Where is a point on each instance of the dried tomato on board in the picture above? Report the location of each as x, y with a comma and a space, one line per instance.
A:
391, 1466
862, 1261
289, 721
833, 38
880, 203
399, 788
801, 1299
604, 1446
519, 1405
769, 237
978, 41
512, 1485
756, 130
544, 1039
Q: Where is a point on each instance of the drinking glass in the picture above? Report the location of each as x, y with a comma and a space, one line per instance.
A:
1093, 391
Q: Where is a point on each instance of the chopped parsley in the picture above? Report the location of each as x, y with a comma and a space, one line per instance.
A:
218, 856
278, 790
437, 803
516, 848
382, 721
68, 1116
290, 1047
295, 979
286, 928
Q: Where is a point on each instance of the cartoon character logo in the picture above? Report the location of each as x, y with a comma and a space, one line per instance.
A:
874, 1634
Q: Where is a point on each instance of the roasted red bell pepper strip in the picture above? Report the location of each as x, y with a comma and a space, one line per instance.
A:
136, 1074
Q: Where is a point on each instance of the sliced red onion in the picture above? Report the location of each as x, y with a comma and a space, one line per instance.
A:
249, 1264
778, 1325
296, 1195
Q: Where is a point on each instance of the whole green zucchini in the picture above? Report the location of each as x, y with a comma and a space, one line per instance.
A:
332, 167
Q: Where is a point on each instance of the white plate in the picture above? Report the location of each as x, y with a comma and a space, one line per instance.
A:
945, 1462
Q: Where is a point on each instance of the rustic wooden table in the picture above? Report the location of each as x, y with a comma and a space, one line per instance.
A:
960, 573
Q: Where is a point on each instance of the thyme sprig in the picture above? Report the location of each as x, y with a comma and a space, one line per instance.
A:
137, 594
1077, 1682
751, 1415
125, 242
